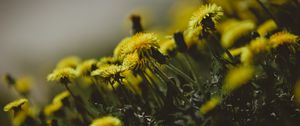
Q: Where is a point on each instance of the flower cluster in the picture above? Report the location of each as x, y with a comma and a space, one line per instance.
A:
232, 63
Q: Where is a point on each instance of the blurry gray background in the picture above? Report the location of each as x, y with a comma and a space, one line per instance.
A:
35, 34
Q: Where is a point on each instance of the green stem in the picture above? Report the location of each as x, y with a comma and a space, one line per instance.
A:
180, 73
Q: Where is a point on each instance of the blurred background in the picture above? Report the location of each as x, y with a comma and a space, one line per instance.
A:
34, 35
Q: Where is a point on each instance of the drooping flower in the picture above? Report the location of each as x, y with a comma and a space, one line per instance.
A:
63, 75
17, 105
134, 62
106, 121
206, 17
142, 43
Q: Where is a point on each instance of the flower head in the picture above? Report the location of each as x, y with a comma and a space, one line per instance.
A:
108, 73
283, 37
258, 45
23, 85
210, 105
134, 62
167, 47
266, 27
86, 67
16, 105
107, 61
61, 96
206, 17
106, 121
142, 43
229, 37
63, 75
236, 77
71, 61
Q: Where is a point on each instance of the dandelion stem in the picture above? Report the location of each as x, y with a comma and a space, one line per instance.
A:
180, 73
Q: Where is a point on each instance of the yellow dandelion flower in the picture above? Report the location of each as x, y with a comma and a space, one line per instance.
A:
120, 46
52, 108
226, 25
108, 73
258, 45
22, 104
191, 37
297, 92
210, 105
142, 43
168, 46
283, 37
236, 77
71, 61
61, 96
63, 75
246, 56
229, 37
266, 27
23, 85
206, 16
133, 62
86, 67
106, 121
108, 60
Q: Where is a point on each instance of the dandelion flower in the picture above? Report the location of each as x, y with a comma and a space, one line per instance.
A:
229, 37
236, 77
283, 37
206, 17
210, 105
167, 47
63, 75
108, 73
120, 46
86, 67
246, 56
134, 62
267, 27
17, 104
71, 61
108, 60
23, 85
258, 45
142, 43
106, 121
61, 96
